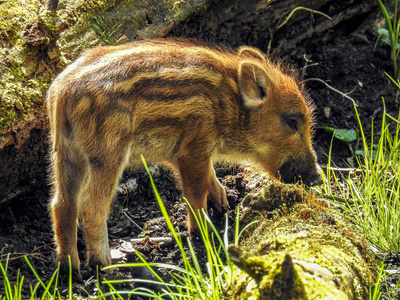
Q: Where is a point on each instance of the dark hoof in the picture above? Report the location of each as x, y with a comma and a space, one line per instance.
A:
65, 275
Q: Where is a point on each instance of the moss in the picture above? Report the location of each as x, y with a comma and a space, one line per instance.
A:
330, 258
266, 277
12, 90
271, 198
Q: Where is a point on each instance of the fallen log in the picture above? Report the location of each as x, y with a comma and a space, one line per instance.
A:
299, 249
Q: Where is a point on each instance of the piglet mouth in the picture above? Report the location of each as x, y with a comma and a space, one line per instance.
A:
287, 171
291, 172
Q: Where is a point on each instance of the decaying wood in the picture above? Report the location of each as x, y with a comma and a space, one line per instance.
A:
23, 156
163, 240
299, 249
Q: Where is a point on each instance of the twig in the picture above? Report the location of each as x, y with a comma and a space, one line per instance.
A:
128, 247
344, 170
307, 65
130, 219
130, 185
332, 88
51, 5
154, 240
22, 255
303, 8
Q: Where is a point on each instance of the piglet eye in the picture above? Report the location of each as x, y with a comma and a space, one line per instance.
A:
292, 123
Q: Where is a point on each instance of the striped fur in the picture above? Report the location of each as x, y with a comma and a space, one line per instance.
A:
172, 100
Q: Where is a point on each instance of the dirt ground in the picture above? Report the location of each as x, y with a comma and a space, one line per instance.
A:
349, 58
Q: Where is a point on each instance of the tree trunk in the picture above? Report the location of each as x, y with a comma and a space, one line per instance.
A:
51, 39
298, 249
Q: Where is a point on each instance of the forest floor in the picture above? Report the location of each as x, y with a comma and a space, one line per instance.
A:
349, 59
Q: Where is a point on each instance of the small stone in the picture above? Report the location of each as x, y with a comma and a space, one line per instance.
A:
327, 112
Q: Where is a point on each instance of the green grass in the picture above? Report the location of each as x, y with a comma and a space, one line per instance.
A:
369, 195
391, 36
14, 291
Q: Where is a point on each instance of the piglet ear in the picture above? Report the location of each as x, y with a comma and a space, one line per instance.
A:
254, 84
251, 52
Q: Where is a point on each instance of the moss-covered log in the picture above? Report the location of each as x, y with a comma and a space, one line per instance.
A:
299, 249
36, 43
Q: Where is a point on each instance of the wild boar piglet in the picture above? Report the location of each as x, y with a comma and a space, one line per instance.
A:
178, 101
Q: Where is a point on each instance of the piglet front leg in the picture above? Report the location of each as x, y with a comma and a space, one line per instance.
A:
199, 181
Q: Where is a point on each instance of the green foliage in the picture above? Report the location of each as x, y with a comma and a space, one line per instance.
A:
385, 36
346, 135
391, 36
375, 294
14, 291
389, 292
370, 195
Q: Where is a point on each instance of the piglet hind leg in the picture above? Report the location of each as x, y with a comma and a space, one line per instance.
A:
199, 181
98, 194
69, 175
